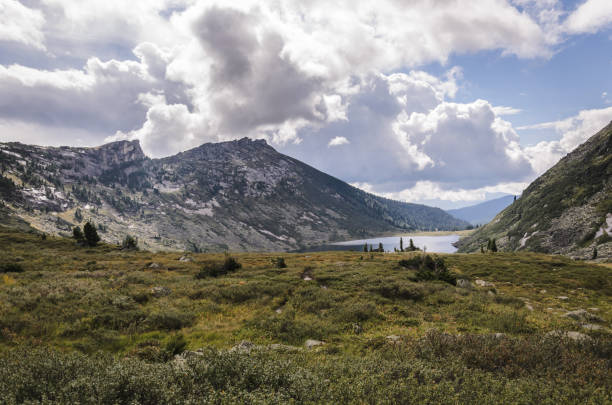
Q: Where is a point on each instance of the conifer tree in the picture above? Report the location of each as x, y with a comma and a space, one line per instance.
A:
91, 235
493, 245
380, 247
401, 244
365, 247
77, 234
411, 247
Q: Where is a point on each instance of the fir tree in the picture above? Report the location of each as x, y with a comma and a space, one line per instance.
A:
91, 235
411, 246
493, 245
77, 234
365, 247
380, 247
401, 245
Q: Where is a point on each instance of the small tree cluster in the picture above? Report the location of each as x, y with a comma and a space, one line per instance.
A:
88, 236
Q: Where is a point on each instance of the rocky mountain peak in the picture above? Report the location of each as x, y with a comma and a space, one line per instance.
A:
119, 152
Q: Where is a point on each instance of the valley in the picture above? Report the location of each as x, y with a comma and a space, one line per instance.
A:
149, 327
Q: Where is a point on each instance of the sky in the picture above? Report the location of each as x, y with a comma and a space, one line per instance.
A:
441, 102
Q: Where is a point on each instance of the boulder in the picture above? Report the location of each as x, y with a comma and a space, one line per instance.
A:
160, 291
562, 298
394, 339
590, 326
243, 346
482, 283
311, 343
185, 259
463, 283
154, 265
577, 336
582, 315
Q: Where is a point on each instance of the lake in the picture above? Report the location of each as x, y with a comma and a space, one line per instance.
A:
439, 244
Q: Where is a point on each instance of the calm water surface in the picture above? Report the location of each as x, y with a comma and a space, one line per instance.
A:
439, 244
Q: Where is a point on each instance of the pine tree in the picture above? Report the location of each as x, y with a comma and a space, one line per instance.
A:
411, 247
493, 245
77, 234
365, 247
91, 235
371, 250
380, 247
594, 253
401, 245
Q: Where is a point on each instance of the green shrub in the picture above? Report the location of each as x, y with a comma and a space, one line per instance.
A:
400, 290
129, 243
429, 268
216, 269
168, 320
176, 344
11, 268
279, 263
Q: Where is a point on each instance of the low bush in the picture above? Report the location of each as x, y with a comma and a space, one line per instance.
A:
216, 269
129, 243
400, 290
11, 268
429, 268
168, 320
279, 263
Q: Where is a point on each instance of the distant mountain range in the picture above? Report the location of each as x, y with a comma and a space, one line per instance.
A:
238, 195
482, 213
567, 210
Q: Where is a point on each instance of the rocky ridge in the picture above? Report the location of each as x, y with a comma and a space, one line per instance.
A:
238, 195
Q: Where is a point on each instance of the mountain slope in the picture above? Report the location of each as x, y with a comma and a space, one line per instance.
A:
480, 214
567, 210
239, 195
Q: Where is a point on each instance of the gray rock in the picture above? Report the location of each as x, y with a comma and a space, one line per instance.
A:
159, 292
154, 265
310, 343
528, 307
463, 283
185, 259
582, 315
482, 283
394, 339
243, 346
562, 298
281, 347
590, 326
577, 336
499, 335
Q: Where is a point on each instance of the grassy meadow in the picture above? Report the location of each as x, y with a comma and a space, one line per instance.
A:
105, 325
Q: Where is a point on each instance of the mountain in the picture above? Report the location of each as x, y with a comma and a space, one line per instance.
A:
482, 213
238, 195
567, 210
